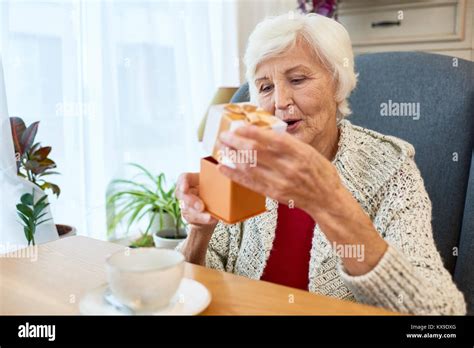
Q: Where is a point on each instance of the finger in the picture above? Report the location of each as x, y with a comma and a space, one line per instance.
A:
281, 144
256, 179
246, 159
264, 137
265, 159
235, 141
191, 190
187, 180
261, 159
190, 201
248, 151
198, 218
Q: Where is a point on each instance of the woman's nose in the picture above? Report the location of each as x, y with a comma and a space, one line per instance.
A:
283, 97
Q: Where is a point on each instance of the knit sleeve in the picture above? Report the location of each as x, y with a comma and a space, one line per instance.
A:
410, 277
218, 248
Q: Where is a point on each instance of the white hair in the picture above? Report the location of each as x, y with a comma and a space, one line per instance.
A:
329, 39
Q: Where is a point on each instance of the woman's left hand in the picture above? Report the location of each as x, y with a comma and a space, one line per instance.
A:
285, 169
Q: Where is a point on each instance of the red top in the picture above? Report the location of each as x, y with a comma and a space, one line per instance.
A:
288, 263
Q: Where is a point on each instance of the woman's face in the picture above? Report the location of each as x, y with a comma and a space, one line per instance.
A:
295, 87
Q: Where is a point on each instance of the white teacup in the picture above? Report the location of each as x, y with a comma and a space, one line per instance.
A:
144, 279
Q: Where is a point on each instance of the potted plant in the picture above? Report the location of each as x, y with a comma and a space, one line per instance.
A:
33, 162
169, 238
134, 202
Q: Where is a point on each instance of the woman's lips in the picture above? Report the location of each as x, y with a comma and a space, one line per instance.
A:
292, 126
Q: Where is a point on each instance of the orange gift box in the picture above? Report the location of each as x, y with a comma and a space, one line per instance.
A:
224, 199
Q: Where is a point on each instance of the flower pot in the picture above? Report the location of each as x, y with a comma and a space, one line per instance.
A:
165, 239
168, 223
65, 230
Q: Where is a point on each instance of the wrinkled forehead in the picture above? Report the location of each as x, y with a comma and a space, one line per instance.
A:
300, 53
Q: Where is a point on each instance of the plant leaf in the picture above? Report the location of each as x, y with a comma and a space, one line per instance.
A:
43, 166
112, 225
48, 173
56, 189
28, 137
39, 206
143, 241
27, 199
151, 222
31, 165
136, 211
25, 210
47, 162
133, 183
144, 213
161, 179
24, 218
38, 209
42, 199
17, 127
39, 223
143, 170
33, 149
26, 230
42, 153
53, 187
41, 215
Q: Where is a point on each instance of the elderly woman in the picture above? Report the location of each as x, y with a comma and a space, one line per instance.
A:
347, 212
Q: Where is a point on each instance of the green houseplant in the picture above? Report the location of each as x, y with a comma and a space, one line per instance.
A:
148, 201
33, 161
31, 213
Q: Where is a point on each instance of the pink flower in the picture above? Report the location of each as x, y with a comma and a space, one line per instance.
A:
323, 7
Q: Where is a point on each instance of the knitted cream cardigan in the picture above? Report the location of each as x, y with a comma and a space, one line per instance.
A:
381, 174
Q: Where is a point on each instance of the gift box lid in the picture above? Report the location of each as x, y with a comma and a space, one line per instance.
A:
239, 115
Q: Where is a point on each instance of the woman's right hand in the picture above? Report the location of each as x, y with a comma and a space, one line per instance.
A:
192, 207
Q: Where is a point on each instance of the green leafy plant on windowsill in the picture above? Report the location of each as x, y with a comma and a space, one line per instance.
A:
31, 213
134, 201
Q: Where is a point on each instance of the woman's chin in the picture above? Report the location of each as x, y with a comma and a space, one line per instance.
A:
301, 136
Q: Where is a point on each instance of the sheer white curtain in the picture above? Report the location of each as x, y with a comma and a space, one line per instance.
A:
113, 82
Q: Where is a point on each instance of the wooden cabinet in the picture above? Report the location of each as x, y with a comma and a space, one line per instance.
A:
438, 26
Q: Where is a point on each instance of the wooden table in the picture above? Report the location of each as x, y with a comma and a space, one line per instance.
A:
65, 269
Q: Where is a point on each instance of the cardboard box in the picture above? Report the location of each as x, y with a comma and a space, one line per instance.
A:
224, 199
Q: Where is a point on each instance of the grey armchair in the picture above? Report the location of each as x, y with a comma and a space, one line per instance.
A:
443, 138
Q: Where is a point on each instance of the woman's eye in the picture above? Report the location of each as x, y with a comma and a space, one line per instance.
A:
265, 88
297, 80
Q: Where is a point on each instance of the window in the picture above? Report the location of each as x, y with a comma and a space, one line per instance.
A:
113, 82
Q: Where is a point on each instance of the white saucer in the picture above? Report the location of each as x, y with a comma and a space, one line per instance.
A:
191, 298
